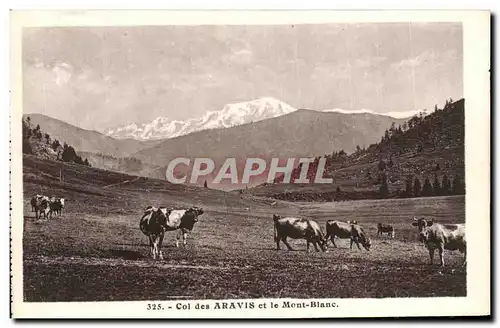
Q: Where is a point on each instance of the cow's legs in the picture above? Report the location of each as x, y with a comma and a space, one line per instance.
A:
184, 238
355, 241
315, 246
431, 255
156, 245
326, 239
159, 245
177, 237
332, 238
278, 243
283, 239
307, 241
152, 246
441, 254
465, 256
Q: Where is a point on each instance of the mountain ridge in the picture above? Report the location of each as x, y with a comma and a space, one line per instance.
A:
230, 115
87, 140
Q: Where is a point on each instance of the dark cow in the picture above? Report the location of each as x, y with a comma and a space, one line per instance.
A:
153, 224
33, 202
385, 228
296, 228
345, 230
183, 221
441, 236
41, 206
56, 206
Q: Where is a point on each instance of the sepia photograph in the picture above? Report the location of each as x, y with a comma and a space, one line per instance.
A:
282, 165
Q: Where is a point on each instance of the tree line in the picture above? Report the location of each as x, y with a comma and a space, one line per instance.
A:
414, 187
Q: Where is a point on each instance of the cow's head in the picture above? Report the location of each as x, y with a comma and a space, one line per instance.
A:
423, 235
276, 217
197, 211
365, 241
61, 200
421, 223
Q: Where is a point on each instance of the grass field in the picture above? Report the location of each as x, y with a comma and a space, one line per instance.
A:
96, 252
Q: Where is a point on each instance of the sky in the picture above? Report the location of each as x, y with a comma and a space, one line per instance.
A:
102, 77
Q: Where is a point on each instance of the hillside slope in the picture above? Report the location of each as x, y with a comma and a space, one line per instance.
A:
87, 140
426, 147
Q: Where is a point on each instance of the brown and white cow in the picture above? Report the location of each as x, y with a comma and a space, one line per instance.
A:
441, 236
153, 225
296, 228
385, 228
183, 221
40, 205
344, 230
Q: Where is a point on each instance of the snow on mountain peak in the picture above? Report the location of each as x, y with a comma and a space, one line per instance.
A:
230, 115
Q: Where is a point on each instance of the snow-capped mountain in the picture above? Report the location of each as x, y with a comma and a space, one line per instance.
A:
231, 115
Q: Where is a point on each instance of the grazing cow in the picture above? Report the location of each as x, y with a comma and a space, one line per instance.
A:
385, 228
298, 229
345, 230
183, 221
441, 236
41, 206
153, 224
56, 206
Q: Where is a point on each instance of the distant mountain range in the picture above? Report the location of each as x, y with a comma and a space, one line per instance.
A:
265, 128
230, 115
302, 133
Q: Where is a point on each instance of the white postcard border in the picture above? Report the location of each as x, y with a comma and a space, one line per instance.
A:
476, 42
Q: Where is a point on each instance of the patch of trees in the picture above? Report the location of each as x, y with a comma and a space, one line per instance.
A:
34, 140
128, 164
445, 187
442, 128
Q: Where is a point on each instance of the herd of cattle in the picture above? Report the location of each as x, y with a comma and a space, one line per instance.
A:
155, 221
45, 206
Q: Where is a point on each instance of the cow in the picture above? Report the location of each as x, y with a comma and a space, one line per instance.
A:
153, 224
296, 228
41, 205
56, 206
441, 236
183, 221
345, 230
33, 202
385, 228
